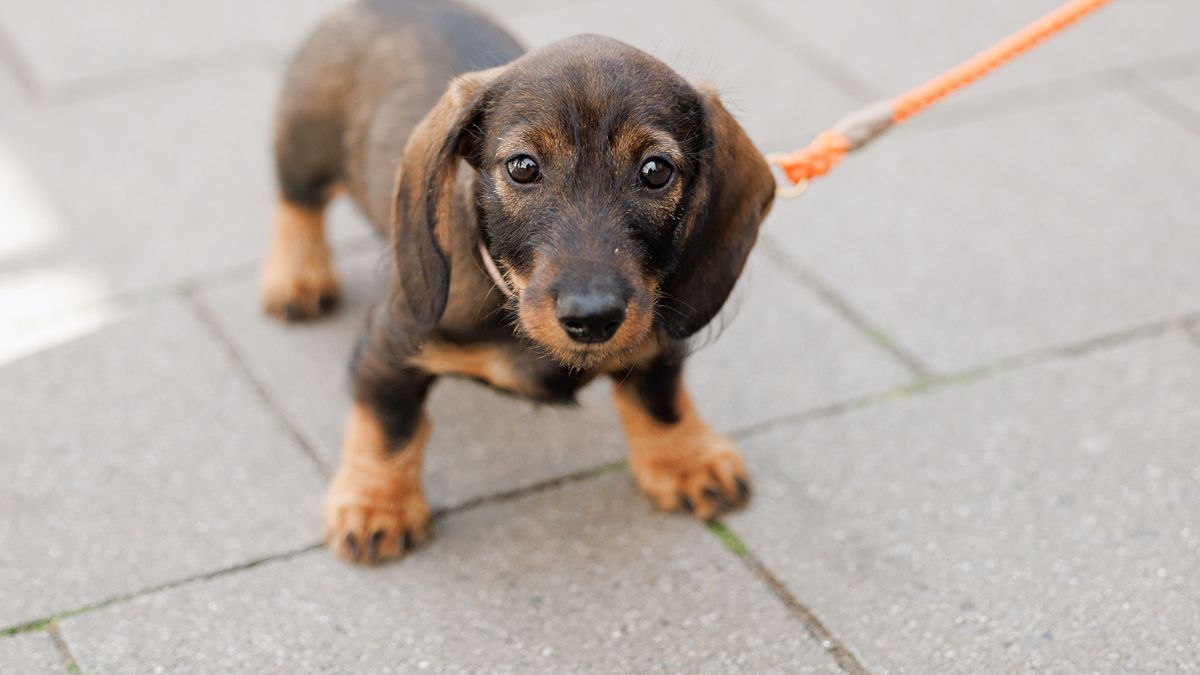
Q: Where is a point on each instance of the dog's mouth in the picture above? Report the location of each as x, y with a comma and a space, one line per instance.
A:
553, 341
583, 348
582, 322
595, 357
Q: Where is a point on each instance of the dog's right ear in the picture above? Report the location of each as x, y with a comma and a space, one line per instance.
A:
422, 204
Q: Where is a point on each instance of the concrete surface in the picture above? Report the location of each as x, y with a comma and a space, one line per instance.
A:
33, 653
963, 369
586, 577
138, 456
1056, 239
1042, 518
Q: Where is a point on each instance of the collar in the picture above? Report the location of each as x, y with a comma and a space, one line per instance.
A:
494, 272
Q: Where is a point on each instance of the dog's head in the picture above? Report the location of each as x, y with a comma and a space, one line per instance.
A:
617, 197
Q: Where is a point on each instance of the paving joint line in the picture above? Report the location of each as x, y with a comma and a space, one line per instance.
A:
138, 297
187, 68
1164, 104
214, 326
11, 56
1192, 331
135, 298
63, 649
1008, 364
980, 107
1106, 81
816, 629
46, 622
843, 307
532, 489
826, 66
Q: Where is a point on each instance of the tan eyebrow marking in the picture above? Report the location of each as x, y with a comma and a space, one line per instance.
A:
542, 141
632, 141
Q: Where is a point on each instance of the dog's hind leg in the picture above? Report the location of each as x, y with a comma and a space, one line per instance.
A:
298, 280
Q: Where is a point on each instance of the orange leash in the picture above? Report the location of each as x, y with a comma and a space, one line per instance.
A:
867, 124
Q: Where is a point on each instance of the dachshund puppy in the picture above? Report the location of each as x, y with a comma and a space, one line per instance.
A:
615, 202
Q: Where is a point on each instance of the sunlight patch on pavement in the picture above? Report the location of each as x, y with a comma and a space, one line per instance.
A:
32, 294
28, 220
25, 329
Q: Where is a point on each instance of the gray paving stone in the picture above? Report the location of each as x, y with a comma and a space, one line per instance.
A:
136, 456
11, 92
1040, 519
139, 189
777, 349
30, 654
1011, 234
483, 443
769, 89
68, 44
898, 45
65, 42
1186, 90
582, 579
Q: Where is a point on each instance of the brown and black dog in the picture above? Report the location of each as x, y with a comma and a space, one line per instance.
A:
618, 200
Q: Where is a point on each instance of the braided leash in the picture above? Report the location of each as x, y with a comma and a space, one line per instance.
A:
860, 128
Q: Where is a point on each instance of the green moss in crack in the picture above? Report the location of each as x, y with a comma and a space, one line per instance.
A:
731, 541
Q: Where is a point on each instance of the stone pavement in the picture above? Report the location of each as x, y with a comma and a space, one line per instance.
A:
965, 370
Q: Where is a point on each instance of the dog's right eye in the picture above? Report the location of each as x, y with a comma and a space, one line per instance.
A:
523, 169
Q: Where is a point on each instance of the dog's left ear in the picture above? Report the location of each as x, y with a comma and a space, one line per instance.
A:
422, 204
734, 195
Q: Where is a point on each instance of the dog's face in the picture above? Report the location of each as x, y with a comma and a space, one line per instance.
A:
587, 166
615, 196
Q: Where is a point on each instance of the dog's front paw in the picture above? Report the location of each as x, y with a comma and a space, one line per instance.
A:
705, 476
371, 518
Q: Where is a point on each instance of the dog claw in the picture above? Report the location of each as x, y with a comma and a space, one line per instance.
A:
743, 488
717, 496
373, 546
352, 544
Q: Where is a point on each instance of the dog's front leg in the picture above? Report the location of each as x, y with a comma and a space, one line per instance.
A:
375, 508
674, 456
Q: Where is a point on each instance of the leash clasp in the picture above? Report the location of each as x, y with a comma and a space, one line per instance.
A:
786, 191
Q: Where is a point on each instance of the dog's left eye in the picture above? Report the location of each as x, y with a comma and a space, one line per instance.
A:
656, 172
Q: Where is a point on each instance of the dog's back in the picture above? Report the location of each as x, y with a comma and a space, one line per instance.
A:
361, 83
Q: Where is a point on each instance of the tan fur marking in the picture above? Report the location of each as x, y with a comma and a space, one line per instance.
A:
538, 320
632, 141
516, 281
548, 142
376, 499
685, 459
298, 280
488, 363
649, 349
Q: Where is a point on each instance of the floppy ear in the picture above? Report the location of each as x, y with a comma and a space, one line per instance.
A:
423, 200
735, 193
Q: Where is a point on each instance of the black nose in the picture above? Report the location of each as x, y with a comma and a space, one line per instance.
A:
590, 316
